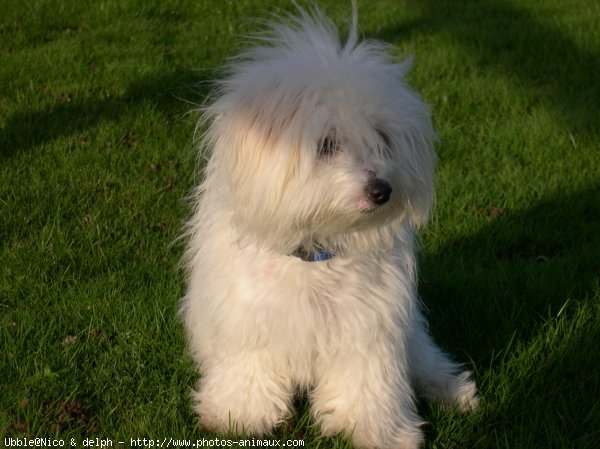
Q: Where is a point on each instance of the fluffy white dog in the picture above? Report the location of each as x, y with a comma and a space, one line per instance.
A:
301, 251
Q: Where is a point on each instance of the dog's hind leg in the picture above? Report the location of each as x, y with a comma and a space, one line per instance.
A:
435, 375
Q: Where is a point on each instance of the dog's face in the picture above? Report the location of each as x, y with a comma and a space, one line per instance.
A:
316, 144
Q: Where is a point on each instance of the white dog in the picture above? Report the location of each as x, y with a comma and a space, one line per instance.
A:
301, 251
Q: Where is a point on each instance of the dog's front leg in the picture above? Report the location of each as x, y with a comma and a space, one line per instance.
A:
242, 393
367, 394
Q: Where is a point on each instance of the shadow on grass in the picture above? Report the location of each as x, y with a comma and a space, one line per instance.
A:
512, 42
518, 267
520, 297
165, 91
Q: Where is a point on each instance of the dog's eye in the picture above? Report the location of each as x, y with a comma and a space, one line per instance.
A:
327, 146
385, 137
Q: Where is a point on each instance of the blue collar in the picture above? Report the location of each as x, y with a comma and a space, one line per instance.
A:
313, 256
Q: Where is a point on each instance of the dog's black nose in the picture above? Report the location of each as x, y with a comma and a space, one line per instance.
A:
378, 191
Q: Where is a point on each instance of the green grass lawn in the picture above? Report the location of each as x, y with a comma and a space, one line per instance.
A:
96, 156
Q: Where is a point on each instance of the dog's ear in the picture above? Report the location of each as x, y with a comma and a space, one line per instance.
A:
417, 175
255, 155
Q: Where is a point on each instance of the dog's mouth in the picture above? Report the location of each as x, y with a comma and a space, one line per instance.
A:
369, 208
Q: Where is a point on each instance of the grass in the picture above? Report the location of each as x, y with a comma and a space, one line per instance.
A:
96, 157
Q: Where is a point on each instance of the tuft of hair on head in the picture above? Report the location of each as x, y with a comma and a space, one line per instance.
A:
306, 21
353, 34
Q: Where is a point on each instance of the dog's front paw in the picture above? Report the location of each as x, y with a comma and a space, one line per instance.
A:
237, 419
375, 430
399, 438
241, 405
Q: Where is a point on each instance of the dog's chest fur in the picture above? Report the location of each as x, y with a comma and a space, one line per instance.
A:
366, 290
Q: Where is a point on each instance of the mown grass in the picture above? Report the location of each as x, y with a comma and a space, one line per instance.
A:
96, 158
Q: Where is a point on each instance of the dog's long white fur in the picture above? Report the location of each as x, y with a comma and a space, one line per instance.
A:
264, 324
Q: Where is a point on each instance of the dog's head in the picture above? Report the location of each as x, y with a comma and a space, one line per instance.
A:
311, 139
